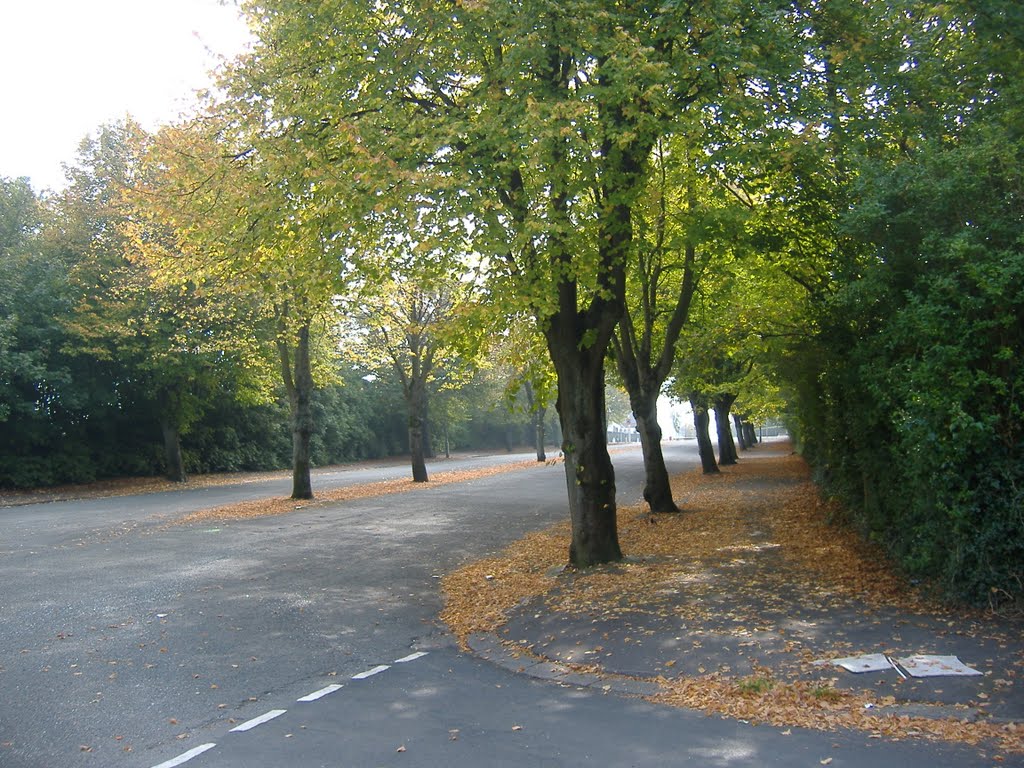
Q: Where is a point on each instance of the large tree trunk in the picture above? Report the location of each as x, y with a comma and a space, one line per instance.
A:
702, 424
726, 447
416, 400
299, 385
175, 465
657, 488
590, 478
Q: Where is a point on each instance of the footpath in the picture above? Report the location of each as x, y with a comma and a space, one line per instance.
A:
741, 607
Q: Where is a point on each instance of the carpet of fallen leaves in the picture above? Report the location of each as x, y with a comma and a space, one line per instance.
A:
279, 506
768, 502
129, 486
125, 486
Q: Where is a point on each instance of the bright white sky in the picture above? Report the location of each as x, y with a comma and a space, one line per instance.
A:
69, 66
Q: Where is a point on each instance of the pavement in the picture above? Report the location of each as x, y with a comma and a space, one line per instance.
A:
202, 629
724, 626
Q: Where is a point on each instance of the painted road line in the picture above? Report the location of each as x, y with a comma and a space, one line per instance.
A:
321, 693
371, 672
411, 657
265, 717
185, 756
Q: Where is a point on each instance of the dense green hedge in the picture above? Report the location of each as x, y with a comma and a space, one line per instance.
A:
914, 411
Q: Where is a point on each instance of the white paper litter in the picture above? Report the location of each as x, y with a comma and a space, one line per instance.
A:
916, 666
935, 666
869, 662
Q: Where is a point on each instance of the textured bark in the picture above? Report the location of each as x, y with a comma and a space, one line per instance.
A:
172, 452
538, 433
428, 438
416, 397
726, 446
298, 381
702, 423
751, 434
537, 413
590, 478
741, 432
657, 488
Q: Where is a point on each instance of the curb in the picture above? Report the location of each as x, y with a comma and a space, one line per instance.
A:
489, 647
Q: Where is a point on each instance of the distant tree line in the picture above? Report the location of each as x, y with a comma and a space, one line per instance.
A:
80, 403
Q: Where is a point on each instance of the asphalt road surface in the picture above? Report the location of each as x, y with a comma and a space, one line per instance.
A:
311, 639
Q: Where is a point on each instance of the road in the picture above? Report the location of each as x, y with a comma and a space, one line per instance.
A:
129, 640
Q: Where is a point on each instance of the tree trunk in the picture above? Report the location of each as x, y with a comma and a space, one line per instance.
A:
538, 432
741, 432
657, 488
702, 424
415, 397
751, 433
590, 478
726, 447
300, 401
175, 465
537, 413
428, 440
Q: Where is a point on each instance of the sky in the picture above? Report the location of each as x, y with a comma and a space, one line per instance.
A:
69, 66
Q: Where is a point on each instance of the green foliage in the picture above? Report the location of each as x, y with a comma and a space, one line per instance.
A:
755, 685
915, 415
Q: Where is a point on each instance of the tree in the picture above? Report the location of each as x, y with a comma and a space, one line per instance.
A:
38, 400
415, 327
701, 423
661, 281
246, 219
20, 221
531, 380
531, 126
173, 344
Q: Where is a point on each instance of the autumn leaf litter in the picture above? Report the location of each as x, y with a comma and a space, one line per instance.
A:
763, 506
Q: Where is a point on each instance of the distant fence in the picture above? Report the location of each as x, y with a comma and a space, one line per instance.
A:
623, 435
687, 432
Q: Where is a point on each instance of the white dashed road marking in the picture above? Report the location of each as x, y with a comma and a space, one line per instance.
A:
268, 716
411, 657
185, 756
265, 717
371, 672
321, 693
